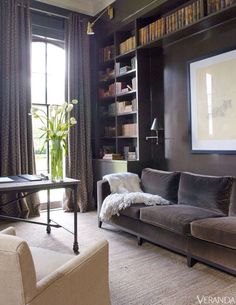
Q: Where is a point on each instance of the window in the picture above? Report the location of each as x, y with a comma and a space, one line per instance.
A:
47, 87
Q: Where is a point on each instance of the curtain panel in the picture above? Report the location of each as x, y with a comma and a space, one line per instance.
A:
79, 161
16, 144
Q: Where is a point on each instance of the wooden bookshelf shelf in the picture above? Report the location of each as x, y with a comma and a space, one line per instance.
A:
126, 74
123, 94
126, 113
127, 137
128, 54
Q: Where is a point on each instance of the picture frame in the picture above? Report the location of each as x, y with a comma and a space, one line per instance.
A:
212, 101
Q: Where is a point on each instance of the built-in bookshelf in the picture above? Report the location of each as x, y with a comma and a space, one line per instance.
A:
117, 102
123, 106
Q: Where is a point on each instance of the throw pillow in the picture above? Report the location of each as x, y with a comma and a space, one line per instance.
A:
208, 192
162, 183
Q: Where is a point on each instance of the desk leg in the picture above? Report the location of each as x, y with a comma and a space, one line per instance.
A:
75, 245
48, 212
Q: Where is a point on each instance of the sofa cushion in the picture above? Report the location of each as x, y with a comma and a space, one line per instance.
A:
208, 192
221, 230
133, 211
162, 183
175, 217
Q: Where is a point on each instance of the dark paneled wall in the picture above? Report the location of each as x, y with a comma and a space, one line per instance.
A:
177, 150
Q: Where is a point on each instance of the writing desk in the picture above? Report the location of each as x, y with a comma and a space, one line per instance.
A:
20, 185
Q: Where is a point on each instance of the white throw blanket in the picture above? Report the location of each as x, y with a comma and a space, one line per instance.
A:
126, 190
123, 183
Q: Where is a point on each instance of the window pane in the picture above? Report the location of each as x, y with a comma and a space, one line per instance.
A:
55, 89
56, 74
40, 155
38, 57
38, 88
55, 60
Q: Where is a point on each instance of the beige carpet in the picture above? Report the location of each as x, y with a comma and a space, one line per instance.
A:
146, 275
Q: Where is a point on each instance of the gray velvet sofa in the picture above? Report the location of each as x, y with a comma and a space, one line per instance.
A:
200, 223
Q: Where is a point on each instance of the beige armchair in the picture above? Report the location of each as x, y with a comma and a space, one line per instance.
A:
36, 276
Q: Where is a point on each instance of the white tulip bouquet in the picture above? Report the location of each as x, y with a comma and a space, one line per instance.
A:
55, 128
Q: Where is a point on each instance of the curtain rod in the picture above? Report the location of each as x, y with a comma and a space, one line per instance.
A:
47, 13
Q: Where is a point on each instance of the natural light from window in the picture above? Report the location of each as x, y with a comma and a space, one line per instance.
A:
47, 87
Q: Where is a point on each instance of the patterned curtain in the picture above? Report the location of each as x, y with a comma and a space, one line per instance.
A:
16, 146
79, 161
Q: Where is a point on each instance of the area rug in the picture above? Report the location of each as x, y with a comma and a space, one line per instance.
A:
139, 275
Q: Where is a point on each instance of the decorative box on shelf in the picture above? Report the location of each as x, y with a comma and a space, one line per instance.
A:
129, 130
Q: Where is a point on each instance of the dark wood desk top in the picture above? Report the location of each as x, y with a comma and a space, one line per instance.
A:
20, 184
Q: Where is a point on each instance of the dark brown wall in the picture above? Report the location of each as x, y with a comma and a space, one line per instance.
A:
177, 150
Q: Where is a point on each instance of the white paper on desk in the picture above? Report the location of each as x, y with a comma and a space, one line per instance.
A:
5, 179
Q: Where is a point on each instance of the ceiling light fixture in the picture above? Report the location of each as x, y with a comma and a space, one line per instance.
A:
90, 25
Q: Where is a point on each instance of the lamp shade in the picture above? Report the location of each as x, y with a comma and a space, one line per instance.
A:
154, 125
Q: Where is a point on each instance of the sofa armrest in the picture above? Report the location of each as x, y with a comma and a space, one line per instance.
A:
103, 190
82, 281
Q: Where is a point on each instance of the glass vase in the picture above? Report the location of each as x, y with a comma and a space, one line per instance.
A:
56, 155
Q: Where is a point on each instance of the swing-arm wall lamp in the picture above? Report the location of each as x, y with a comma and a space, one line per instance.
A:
90, 25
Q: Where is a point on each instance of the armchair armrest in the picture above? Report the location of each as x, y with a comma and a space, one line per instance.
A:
81, 281
9, 231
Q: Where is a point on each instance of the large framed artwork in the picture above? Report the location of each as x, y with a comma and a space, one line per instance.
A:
212, 96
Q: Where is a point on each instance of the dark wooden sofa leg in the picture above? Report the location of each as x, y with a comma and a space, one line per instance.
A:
191, 261
99, 223
140, 240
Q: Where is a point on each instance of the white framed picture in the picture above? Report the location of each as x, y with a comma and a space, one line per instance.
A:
212, 96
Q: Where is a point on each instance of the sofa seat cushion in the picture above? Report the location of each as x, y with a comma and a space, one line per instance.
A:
133, 211
162, 183
207, 192
220, 231
176, 218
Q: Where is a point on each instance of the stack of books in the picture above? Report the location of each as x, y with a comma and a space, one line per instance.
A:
112, 157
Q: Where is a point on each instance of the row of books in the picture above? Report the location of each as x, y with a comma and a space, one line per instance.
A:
152, 31
172, 22
184, 16
127, 45
217, 5
106, 53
